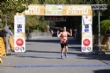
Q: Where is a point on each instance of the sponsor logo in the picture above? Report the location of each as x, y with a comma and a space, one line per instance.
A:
59, 8
19, 48
86, 30
19, 42
19, 30
19, 26
86, 26
89, 48
83, 48
86, 42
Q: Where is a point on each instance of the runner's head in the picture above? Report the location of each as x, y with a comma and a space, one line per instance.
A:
64, 28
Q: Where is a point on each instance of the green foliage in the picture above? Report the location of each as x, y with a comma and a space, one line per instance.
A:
31, 21
73, 1
1, 25
10, 7
10, 19
104, 26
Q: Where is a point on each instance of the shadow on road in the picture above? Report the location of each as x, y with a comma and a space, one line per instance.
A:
73, 48
34, 51
44, 41
53, 40
102, 71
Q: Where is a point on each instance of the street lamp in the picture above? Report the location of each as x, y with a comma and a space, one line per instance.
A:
99, 7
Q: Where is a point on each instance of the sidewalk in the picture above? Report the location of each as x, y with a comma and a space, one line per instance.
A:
43, 56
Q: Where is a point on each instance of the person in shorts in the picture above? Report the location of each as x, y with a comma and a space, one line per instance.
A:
64, 41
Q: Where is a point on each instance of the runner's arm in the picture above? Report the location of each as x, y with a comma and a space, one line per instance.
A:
58, 35
70, 34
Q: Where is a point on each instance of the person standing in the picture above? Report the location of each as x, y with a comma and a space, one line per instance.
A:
75, 33
64, 41
108, 32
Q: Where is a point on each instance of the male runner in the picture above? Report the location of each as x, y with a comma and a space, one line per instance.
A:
63, 41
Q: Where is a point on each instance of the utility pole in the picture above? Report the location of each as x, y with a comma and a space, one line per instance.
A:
99, 7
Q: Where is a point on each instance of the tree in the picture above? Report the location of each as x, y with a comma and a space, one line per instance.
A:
104, 26
12, 5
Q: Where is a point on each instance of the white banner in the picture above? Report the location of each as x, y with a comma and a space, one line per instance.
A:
87, 42
19, 33
55, 10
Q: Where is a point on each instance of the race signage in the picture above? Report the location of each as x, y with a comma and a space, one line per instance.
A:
19, 33
87, 34
58, 10
53, 10
34, 10
76, 10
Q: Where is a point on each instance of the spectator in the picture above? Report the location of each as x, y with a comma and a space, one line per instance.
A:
75, 33
108, 32
9, 31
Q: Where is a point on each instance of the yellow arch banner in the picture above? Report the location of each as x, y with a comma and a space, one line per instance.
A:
76, 10
34, 10
58, 10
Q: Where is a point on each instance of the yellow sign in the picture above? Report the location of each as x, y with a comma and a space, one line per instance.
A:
86, 35
34, 10
76, 10
1, 60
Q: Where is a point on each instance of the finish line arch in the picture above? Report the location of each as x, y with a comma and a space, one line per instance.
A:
55, 10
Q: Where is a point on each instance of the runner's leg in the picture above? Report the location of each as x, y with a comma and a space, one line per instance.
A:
62, 50
66, 50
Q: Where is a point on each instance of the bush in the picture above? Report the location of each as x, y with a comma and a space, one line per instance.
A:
104, 26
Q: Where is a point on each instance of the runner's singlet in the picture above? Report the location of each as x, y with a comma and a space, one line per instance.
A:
63, 38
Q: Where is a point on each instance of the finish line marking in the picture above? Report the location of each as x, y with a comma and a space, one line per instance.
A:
46, 55
72, 65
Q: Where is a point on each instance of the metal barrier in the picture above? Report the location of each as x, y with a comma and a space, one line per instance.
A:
105, 40
108, 44
38, 34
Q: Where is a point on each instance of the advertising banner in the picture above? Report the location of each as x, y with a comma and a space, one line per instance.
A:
76, 10
87, 42
34, 10
58, 10
53, 10
19, 33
